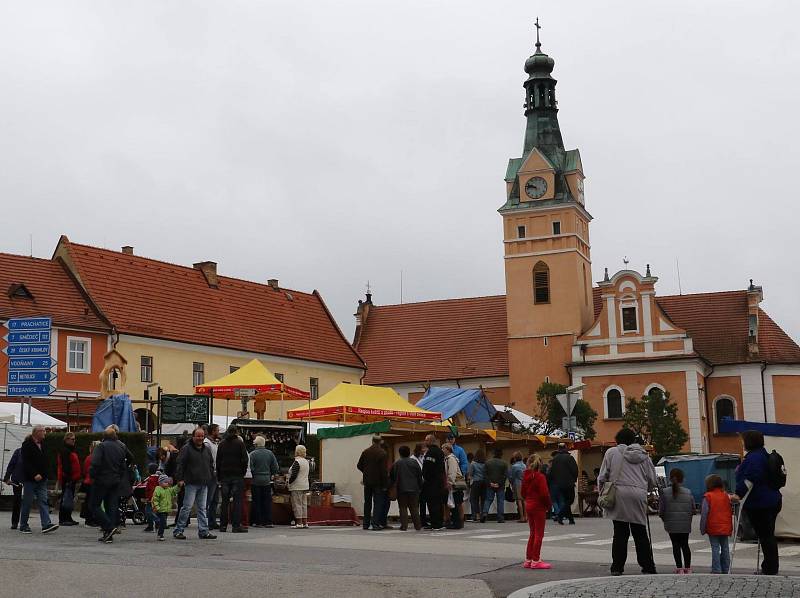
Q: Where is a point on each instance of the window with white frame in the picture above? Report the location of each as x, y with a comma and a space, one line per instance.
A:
614, 403
655, 390
78, 355
724, 406
630, 320
147, 368
198, 373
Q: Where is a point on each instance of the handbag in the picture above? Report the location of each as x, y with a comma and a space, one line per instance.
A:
608, 495
509, 494
460, 483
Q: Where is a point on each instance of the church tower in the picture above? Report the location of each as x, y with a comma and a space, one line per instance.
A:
546, 239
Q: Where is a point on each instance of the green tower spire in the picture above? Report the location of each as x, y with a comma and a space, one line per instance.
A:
541, 108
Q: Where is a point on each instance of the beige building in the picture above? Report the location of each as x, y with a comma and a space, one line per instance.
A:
180, 326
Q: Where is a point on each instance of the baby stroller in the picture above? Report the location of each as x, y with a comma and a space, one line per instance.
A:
131, 500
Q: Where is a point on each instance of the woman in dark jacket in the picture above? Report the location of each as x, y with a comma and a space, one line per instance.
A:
764, 502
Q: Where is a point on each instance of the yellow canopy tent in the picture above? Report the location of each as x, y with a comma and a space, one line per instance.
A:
355, 403
253, 376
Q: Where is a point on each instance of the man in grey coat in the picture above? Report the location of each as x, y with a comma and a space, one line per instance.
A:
194, 473
630, 468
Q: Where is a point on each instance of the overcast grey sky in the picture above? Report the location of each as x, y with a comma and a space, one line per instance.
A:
328, 143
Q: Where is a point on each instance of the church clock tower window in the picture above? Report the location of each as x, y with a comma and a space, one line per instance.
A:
541, 283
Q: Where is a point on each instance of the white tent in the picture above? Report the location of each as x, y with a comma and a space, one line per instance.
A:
37, 418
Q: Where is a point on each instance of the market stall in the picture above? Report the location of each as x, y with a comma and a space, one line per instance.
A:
252, 383
341, 447
351, 403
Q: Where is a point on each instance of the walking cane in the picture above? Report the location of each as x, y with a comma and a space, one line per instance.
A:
749, 485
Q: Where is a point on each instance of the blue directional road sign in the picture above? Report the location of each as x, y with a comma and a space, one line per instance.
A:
31, 363
34, 350
29, 390
30, 376
29, 324
35, 336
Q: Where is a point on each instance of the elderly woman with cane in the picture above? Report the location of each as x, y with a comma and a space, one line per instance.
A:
626, 475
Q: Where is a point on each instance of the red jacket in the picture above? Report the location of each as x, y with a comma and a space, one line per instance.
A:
720, 513
87, 462
75, 467
534, 491
150, 486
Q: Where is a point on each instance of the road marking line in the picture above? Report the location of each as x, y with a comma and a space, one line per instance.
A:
493, 536
789, 551
663, 545
741, 546
597, 542
565, 537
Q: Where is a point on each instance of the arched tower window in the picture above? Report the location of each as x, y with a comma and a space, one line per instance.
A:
614, 403
723, 407
541, 283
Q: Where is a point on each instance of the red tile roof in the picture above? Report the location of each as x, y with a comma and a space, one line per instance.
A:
435, 340
55, 293
466, 338
146, 297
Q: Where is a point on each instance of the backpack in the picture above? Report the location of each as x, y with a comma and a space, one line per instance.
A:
776, 471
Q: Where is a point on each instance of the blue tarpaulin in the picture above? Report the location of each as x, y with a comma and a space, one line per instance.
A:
734, 426
451, 401
116, 409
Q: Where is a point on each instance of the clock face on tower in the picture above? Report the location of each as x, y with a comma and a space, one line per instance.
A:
536, 187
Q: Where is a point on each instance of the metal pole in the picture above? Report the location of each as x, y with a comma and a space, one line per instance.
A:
30, 406
158, 435
569, 413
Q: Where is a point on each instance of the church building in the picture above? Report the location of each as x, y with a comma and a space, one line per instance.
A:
717, 354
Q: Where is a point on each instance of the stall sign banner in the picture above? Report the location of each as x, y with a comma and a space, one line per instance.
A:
340, 410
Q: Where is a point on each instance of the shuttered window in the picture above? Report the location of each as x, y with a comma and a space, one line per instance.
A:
541, 283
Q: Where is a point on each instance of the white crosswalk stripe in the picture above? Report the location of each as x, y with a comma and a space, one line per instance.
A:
663, 545
493, 536
565, 537
602, 542
740, 546
789, 551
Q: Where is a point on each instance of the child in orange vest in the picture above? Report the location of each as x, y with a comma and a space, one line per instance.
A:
716, 520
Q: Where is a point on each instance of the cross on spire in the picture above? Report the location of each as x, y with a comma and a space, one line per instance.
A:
538, 43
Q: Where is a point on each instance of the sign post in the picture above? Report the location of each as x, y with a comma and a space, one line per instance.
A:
30, 367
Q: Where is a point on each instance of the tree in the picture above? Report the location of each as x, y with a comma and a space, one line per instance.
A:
551, 413
654, 418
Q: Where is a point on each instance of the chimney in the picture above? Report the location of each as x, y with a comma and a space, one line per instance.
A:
755, 295
209, 270
273, 282
127, 249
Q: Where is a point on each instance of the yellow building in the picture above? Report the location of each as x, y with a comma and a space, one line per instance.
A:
180, 326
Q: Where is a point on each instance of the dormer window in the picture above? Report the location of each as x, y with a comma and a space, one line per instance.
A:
18, 290
630, 321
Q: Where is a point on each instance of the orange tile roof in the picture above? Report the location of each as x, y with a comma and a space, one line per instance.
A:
435, 340
466, 338
55, 293
146, 297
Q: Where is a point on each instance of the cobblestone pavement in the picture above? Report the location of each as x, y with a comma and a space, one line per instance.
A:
666, 586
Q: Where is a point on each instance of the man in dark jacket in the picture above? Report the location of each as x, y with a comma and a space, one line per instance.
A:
433, 482
496, 475
194, 472
375, 476
232, 462
109, 464
34, 483
564, 476
407, 476
15, 474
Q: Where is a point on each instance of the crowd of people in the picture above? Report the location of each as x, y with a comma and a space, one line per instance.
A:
201, 473
206, 471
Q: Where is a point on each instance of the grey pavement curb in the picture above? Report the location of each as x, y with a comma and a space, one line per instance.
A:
537, 589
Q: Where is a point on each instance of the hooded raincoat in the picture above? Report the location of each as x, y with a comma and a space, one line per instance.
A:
632, 469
